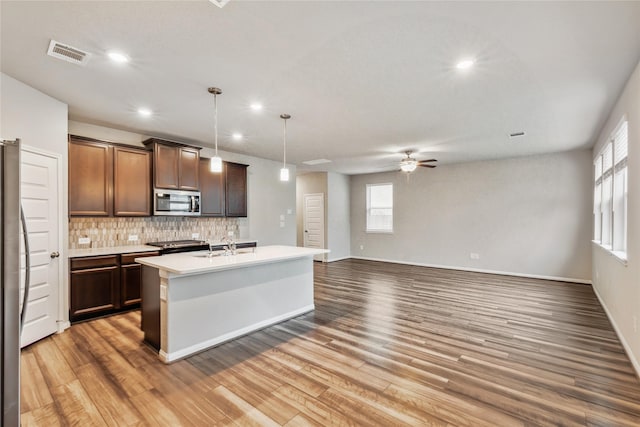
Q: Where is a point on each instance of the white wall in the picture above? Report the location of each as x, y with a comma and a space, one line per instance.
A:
267, 197
617, 284
40, 122
527, 216
338, 216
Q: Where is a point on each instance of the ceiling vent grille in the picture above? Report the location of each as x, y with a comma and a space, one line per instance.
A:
219, 3
68, 53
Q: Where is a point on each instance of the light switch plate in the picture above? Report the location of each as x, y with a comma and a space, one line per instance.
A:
289, 211
281, 224
163, 292
281, 217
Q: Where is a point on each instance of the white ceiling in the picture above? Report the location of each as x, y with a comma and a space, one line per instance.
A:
364, 81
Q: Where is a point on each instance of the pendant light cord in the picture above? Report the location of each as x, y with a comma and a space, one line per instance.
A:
285, 145
215, 121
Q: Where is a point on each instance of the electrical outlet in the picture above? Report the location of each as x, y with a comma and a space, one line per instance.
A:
281, 224
289, 211
230, 233
281, 217
133, 237
163, 292
195, 235
361, 247
474, 255
84, 240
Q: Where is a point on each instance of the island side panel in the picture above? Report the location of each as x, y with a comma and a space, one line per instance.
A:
210, 308
150, 306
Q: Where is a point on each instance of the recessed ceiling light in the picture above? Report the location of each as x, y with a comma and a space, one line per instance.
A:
145, 112
465, 64
256, 106
236, 136
118, 57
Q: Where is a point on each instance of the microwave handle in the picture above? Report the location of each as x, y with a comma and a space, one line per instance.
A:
193, 203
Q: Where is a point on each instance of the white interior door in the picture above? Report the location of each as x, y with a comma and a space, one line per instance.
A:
40, 199
313, 222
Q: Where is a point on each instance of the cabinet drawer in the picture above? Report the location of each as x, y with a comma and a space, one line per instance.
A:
130, 258
94, 262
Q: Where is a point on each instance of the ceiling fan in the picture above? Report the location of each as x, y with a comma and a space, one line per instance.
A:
409, 164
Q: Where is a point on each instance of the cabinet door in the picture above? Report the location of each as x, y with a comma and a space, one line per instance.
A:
236, 189
165, 162
212, 190
93, 291
131, 182
189, 165
90, 178
130, 279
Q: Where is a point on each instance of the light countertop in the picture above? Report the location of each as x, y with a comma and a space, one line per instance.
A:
188, 263
129, 249
113, 250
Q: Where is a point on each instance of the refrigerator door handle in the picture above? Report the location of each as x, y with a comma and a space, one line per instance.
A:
27, 268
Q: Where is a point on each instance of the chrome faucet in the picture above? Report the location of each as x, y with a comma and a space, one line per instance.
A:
230, 247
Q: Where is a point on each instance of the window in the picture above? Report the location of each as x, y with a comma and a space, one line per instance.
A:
380, 208
610, 193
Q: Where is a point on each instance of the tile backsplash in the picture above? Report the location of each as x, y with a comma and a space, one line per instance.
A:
108, 232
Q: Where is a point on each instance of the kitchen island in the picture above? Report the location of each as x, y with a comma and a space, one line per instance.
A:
191, 302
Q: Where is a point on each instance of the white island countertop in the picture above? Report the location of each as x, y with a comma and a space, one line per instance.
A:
189, 263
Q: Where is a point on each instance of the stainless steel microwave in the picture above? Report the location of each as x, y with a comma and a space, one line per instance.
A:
176, 202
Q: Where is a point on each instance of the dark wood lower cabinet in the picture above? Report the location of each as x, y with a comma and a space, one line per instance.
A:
94, 286
103, 285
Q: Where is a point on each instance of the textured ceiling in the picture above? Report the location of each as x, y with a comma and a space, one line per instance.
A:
364, 81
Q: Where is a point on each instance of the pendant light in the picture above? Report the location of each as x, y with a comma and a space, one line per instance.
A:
215, 164
284, 172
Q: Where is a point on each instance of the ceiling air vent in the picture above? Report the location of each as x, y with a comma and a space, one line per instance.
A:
219, 3
68, 53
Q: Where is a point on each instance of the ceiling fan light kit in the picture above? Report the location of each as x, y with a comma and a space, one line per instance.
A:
409, 164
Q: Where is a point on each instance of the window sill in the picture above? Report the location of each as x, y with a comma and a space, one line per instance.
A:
379, 231
619, 256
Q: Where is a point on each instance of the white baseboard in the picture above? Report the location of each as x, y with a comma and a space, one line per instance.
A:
479, 270
63, 325
185, 352
339, 259
625, 345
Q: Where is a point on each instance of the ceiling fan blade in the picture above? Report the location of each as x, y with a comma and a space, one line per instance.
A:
427, 166
425, 161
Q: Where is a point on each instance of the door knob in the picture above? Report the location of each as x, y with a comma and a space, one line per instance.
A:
55, 254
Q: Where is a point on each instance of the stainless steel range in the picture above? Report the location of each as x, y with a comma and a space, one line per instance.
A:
176, 246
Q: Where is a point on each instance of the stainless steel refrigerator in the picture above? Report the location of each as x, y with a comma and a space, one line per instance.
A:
10, 314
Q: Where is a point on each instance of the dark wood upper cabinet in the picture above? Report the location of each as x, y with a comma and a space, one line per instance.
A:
189, 167
166, 166
108, 179
131, 182
235, 189
174, 166
212, 190
90, 178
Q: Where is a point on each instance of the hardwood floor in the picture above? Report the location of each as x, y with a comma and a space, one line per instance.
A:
387, 345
